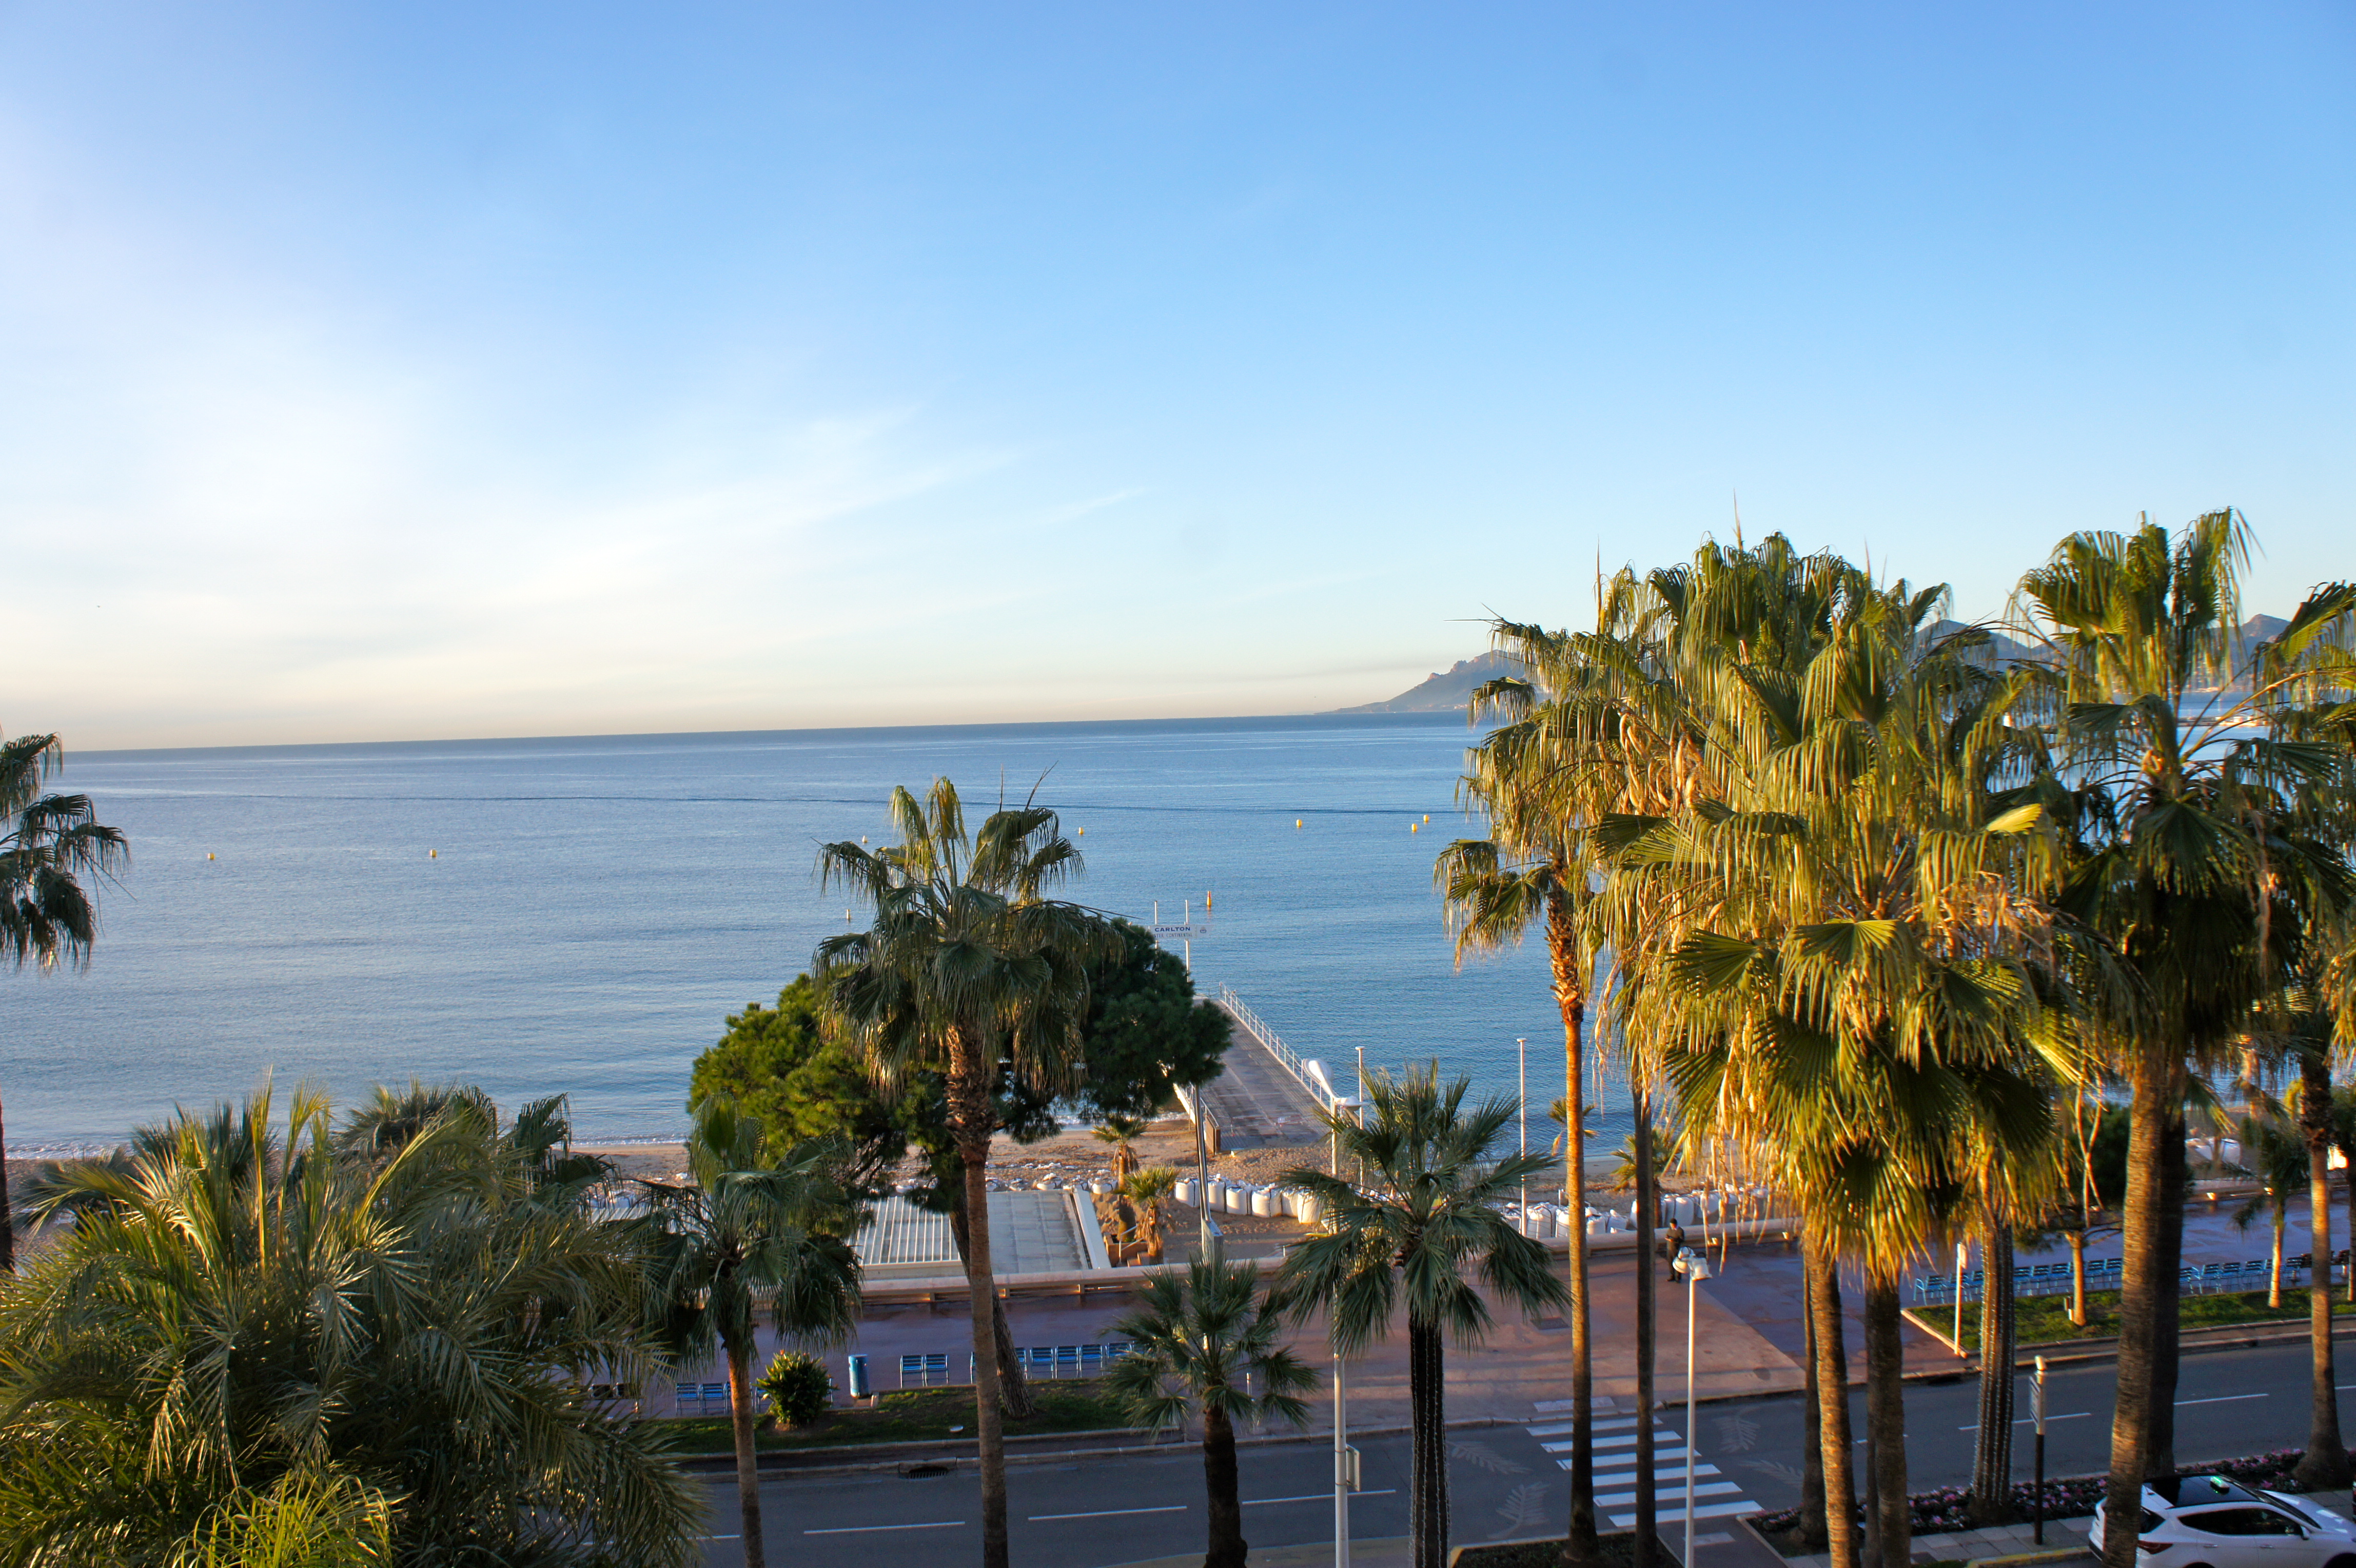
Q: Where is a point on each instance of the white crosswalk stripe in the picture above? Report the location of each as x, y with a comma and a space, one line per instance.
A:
1614, 1459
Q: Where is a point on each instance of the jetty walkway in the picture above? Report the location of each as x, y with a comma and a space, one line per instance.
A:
1268, 1095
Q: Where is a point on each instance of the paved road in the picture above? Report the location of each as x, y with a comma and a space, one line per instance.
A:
2230, 1403
1507, 1481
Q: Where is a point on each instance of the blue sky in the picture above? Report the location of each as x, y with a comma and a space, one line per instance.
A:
422, 371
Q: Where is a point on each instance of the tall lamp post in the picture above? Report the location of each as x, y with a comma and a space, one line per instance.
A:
1345, 1464
1522, 1053
1696, 1267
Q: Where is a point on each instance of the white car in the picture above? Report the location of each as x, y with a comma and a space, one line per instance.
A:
2208, 1522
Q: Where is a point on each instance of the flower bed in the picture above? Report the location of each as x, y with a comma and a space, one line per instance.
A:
1942, 1510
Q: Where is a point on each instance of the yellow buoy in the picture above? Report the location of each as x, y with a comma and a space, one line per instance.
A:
1427, 816
208, 855
1413, 827
1296, 821
432, 854
1082, 833
1206, 899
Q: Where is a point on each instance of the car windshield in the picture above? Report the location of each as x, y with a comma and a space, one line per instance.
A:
2198, 1491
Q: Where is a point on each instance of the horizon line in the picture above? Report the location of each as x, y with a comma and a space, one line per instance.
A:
1360, 714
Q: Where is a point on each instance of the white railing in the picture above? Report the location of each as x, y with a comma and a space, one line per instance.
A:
1257, 1027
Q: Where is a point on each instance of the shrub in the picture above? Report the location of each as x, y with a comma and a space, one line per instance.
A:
1941, 1511
798, 1388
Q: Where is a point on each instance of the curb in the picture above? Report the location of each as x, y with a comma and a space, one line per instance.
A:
954, 1461
2028, 1558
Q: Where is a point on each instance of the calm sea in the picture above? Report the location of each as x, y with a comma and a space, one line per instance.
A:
592, 908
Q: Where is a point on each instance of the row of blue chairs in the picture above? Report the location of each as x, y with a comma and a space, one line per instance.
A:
2035, 1279
2246, 1276
2053, 1279
925, 1370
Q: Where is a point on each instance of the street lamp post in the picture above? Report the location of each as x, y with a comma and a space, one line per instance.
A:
1522, 1052
1342, 1467
2037, 1394
1696, 1267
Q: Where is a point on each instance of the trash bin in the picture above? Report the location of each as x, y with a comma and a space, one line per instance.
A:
859, 1389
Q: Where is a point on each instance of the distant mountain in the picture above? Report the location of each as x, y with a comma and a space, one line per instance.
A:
2001, 649
1448, 691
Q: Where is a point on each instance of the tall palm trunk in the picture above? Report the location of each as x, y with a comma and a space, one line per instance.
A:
1427, 1517
2275, 1262
1570, 999
1811, 1467
1648, 1500
1885, 1420
2168, 1288
1228, 1548
1014, 1387
2078, 1278
2152, 1081
1832, 1397
969, 1117
988, 1418
1991, 1500
8, 1220
2325, 1463
748, 1474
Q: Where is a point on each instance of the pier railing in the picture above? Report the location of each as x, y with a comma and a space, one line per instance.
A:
1289, 1060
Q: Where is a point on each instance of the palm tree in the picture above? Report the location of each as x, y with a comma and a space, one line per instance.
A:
2078, 1208
754, 1220
243, 1330
53, 846
1428, 1212
1591, 736
1145, 1192
1122, 1133
1204, 1341
2191, 821
2275, 1151
971, 972
1532, 871
1825, 941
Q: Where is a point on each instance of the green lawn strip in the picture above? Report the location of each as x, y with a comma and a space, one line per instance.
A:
2045, 1318
913, 1415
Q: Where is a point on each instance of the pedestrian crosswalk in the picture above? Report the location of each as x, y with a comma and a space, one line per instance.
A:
1714, 1496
